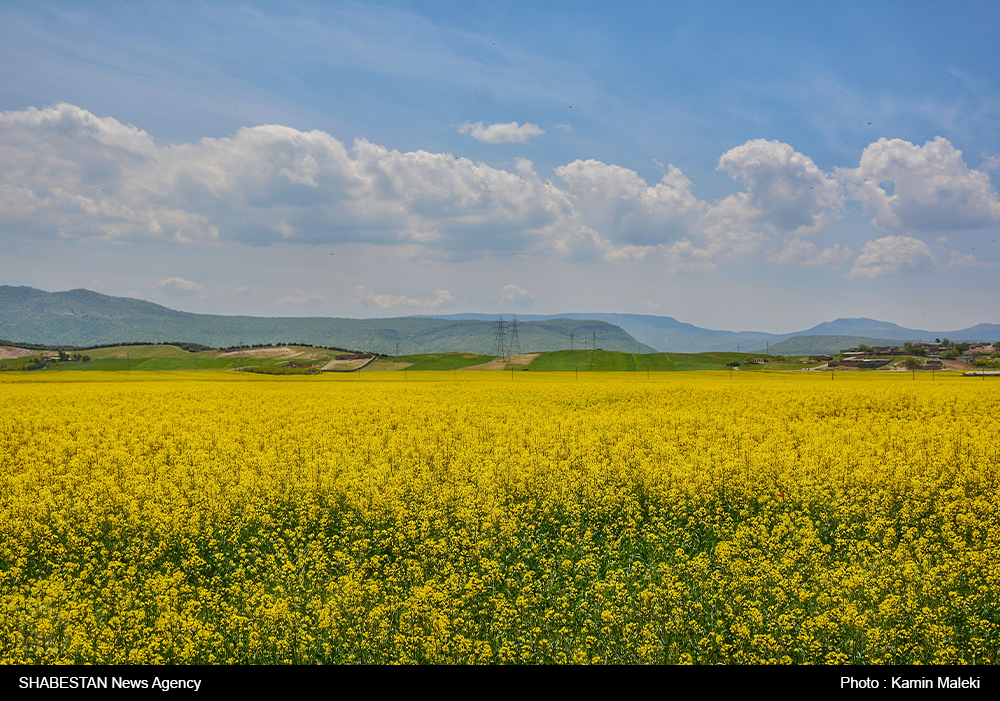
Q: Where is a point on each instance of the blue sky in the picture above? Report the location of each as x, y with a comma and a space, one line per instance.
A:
737, 165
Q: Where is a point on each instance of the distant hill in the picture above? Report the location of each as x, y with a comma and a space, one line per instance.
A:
85, 318
823, 345
82, 317
665, 333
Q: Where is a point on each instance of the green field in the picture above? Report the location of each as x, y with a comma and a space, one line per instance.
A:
166, 357
434, 361
585, 360
611, 361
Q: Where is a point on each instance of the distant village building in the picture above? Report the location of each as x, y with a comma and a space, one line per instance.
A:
864, 363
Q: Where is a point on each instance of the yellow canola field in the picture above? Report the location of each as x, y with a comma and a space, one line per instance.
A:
474, 518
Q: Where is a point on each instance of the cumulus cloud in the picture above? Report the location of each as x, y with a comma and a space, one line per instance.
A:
805, 253
624, 209
922, 188
501, 133
787, 194
66, 173
892, 255
178, 287
786, 191
442, 298
514, 295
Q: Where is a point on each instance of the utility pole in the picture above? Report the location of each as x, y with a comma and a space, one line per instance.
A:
571, 340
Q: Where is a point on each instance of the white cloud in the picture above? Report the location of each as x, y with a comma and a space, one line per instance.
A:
892, 255
990, 163
922, 188
685, 256
501, 133
514, 295
786, 191
957, 258
67, 174
178, 287
833, 256
301, 298
442, 298
803, 252
618, 204
787, 194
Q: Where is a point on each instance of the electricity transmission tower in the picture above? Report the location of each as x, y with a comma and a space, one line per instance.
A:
241, 361
500, 340
515, 341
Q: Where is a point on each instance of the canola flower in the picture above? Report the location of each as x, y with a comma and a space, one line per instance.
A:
215, 518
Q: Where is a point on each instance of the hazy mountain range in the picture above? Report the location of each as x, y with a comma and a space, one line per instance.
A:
664, 333
84, 318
